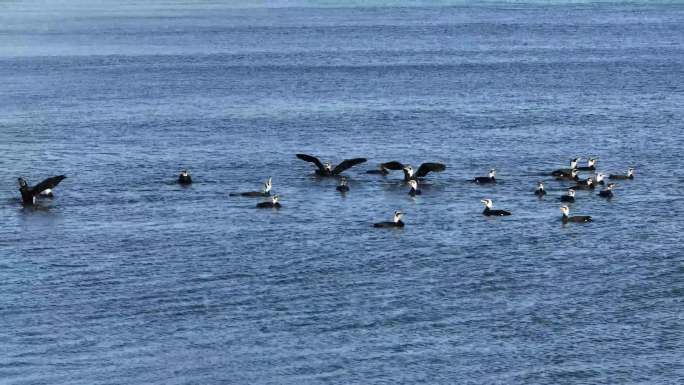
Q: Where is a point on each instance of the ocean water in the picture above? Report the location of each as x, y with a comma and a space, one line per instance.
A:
127, 278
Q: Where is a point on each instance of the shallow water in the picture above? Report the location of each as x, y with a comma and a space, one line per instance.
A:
127, 278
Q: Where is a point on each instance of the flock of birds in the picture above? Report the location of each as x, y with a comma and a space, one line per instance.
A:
411, 177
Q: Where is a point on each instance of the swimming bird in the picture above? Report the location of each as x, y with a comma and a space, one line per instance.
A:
184, 178
608, 192
570, 197
28, 194
326, 169
540, 190
630, 175
595, 180
342, 187
265, 191
566, 171
410, 174
573, 175
381, 170
577, 218
397, 222
488, 209
272, 203
491, 178
591, 165
585, 185
414, 188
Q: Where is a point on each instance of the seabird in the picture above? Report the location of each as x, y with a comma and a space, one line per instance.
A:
630, 175
397, 222
271, 203
491, 178
326, 169
488, 209
577, 218
28, 194
566, 171
410, 174
184, 178
265, 191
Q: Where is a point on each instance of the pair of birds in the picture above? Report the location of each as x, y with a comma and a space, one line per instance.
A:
326, 168
570, 195
185, 179
398, 215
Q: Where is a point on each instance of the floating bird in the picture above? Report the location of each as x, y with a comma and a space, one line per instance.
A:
591, 165
382, 170
272, 203
570, 197
488, 209
585, 185
326, 169
540, 192
414, 188
397, 222
28, 194
577, 218
342, 187
491, 178
630, 175
409, 173
184, 178
265, 191
566, 171
608, 192
573, 175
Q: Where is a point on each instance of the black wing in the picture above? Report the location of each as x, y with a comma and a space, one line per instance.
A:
426, 168
347, 163
312, 159
46, 184
393, 165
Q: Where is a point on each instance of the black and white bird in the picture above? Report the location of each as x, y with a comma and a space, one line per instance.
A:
573, 175
596, 179
414, 188
569, 197
410, 173
576, 218
273, 203
29, 194
326, 169
540, 192
490, 178
184, 178
591, 165
585, 185
488, 209
395, 223
343, 187
608, 192
630, 175
566, 171
265, 191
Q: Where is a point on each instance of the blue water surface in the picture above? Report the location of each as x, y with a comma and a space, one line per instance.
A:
127, 278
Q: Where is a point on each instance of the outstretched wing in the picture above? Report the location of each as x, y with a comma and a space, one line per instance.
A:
48, 183
312, 159
426, 168
347, 163
393, 165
